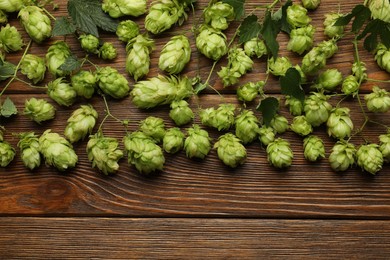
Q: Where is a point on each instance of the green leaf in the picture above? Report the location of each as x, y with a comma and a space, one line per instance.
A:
200, 87
268, 108
8, 108
281, 16
62, 26
88, 15
249, 28
270, 31
238, 6
7, 70
291, 84
361, 15
71, 64
375, 29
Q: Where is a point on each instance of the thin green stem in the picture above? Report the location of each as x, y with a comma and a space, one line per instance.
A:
108, 114
209, 76
49, 14
380, 124
273, 4
28, 83
378, 80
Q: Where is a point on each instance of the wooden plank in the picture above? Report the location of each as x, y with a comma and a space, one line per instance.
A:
100, 238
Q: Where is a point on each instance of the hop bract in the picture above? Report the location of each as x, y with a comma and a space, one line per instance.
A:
384, 146
311, 4
255, 47
369, 158
301, 39
36, 23
89, 43
11, 6
112, 83
382, 57
301, 126
127, 30
221, 118
197, 144
84, 83
33, 67
350, 85
330, 29
160, 90
107, 51
218, 15
10, 39
317, 109
29, 150
297, 16
230, 150
138, 56
143, 153
173, 140
80, 123
279, 123
247, 126
7, 152
342, 156
339, 124
378, 100
39, 110
380, 9
211, 43
238, 65
175, 54
104, 153
314, 148
153, 127
279, 153
266, 135
118, 8
57, 151
279, 66
249, 91
61, 92
181, 113
56, 55
329, 80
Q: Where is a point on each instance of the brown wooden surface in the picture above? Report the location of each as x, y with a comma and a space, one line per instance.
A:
194, 209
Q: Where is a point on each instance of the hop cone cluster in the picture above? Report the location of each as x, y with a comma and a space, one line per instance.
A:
313, 148
218, 15
175, 54
181, 113
198, 143
230, 150
138, 56
153, 127
39, 110
29, 150
342, 156
61, 92
119, 8
247, 126
160, 90
36, 23
104, 153
279, 153
173, 140
211, 43
112, 83
56, 55
33, 67
369, 158
10, 39
339, 124
80, 123
238, 65
221, 118
84, 83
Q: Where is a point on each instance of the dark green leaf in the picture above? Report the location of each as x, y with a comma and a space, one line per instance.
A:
8, 108
70, 64
268, 108
62, 26
356, 12
270, 31
370, 42
375, 29
385, 35
7, 70
199, 88
291, 84
281, 16
249, 29
238, 6
88, 15
361, 17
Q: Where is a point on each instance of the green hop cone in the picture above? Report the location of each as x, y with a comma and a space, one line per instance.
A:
10, 39
230, 150
359, 70
33, 67
218, 15
331, 30
350, 85
266, 135
3, 16
175, 54
104, 153
380, 9
378, 100
317, 109
339, 124
36, 23
57, 151
279, 153
301, 39
56, 55
80, 123
173, 140
247, 126
384, 146
238, 65
255, 47
279, 66
369, 158
382, 57
301, 73
108, 51
138, 56
39, 110
311, 4
221, 118
301, 126
153, 127
342, 156
160, 90
119, 8
127, 30
61, 92
84, 83
29, 150
297, 16
313, 148
7, 152
143, 153
249, 91
279, 123
329, 47
198, 143
313, 61
295, 105
89, 43
181, 113
211, 43
329, 80
112, 83
10, 6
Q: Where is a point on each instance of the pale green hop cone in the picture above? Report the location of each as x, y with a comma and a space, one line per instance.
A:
279, 66
89, 43
279, 123
247, 126
33, 67
221, 118
112, 83
339, 124
301, 126
39, 110
29, 150
311, 4
108, 51
119, 8
350, 85
127, 30
153, 127
36, 23
84, 83
384, 146
297, 16
313, 148
198, 142
317, 108
255, 48
266, 134
378, 100
56, 55
328, 80
330, 29
138, 56
279, 153
10, 39
295, 105
175, 54
181, 113
10, 6
380, 9
173, 140
211, 43
7, 152
218, 15
230, 150
249, 91
369, 158
238, 64
61, 92
342, 156
382, 57
80, 123
301, 39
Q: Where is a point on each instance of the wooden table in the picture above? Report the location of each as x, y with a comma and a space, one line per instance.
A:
195, 209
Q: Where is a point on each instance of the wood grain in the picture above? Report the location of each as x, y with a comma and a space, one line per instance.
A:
101, 238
